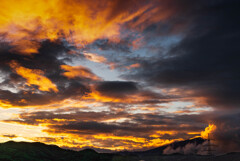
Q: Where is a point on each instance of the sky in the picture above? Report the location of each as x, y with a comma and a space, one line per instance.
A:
119, 75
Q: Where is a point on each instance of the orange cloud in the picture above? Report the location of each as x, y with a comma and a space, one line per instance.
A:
5, 104
97, 96
80, 22
101, 97
101, 140
137, 43
95, 57
78, 71
137, 65
97, 141
99, 59
34, 77
26, 47
208, 130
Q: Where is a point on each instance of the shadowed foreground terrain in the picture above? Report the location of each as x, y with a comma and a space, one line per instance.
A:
23, 151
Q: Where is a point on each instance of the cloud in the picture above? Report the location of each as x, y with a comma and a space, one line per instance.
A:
137, 65
38, 80
78, 71
122, 46
227, 134
34, 77
72, 20
79, 122
95, 57
206, 60
11, 136
116, 88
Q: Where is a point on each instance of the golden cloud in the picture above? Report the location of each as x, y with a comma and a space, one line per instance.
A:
34, 77
80, 22
78, 71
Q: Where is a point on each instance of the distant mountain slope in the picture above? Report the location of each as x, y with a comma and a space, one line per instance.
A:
175, 145
159, 150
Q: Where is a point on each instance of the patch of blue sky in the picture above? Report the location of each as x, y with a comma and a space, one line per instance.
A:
121, 58
100, 69
159, 46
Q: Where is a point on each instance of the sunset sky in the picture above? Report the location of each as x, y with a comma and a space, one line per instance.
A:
119, 74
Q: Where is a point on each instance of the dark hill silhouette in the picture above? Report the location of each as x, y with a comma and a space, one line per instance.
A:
25, 151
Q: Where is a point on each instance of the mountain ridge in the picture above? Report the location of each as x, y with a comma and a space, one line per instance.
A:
159, 150
37, 151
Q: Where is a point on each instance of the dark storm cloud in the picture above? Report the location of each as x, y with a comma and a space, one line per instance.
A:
227, 134
49, 60
45, 59
206, 60
134, 94
117, 88
123, 46
121, 129
72, 114
11, 136
73, 90
79, 122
